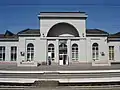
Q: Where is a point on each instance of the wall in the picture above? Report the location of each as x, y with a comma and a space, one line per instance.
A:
8, 45
103, 47
54, 42
116, 45
81, 49
39, 48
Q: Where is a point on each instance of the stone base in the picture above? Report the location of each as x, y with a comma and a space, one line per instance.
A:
28, 63
46, 83
101, 63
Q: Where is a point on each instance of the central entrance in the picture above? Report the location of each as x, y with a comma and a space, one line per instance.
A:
63, 57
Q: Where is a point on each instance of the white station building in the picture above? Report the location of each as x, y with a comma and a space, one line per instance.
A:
63, 39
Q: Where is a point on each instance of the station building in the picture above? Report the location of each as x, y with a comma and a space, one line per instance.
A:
62, 39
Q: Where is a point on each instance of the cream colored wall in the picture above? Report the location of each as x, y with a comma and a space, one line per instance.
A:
103, 47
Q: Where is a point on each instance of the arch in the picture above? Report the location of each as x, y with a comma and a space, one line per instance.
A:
30, 45
95, 44
74, 45
95, 51
62, 29
51, 45
63, 45
63, 48
30, 52
75, 52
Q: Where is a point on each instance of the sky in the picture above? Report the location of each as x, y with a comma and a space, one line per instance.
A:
17, 15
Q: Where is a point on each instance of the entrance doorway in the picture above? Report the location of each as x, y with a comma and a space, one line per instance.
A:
63, 57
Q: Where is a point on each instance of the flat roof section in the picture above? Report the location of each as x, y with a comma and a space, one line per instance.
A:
62, 15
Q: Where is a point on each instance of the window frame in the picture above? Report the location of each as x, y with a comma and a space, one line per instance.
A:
13, 53
75, 52
2, 53
30, 52
95, 51
111, 53
51, 48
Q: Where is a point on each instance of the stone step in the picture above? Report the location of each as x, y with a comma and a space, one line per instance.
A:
46, 83
58, 76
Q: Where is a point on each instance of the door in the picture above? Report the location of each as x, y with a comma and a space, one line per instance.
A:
63, 54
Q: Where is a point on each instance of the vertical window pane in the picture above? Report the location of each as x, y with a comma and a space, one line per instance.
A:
95, 51
111, 52
75, 52
13, 53
2, 53
32, 55
51, 50
30, 52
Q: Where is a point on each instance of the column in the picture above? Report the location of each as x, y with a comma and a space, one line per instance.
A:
7, 53
46, 51
57, 51
69, 50
83, 51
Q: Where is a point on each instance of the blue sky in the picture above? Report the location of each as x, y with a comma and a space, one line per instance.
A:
17, 15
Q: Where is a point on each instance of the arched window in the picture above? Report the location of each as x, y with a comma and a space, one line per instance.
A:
62, 48
95, 51
30, 52
75, 52
51, 52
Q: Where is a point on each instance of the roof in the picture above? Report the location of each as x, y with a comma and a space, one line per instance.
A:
8, 33
96, 32
2, 36
29, 32
36, 32
64, 12
62, 15
8, 36
116, 35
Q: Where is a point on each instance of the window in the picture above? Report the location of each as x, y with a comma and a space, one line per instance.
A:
2, 53
111, 52
30, 52
63, 49
51, 51
75, 52
13, 53
95, 51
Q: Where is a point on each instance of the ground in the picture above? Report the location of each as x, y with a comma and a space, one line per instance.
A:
77, 67
67, 88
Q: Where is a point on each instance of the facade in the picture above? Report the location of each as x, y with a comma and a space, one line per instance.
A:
62, 39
